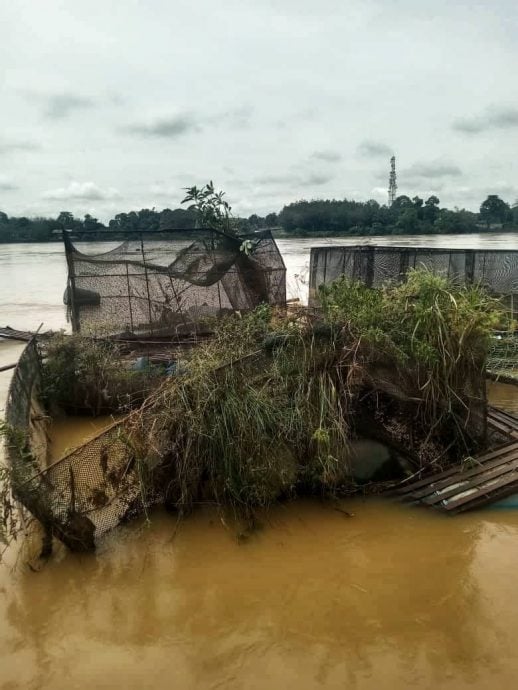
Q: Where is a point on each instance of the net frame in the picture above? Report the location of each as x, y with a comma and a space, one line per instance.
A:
151, 284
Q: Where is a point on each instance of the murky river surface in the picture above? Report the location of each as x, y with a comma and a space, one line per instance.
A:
393, 597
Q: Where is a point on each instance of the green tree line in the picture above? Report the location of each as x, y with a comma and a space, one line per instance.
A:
405, 217
333, 217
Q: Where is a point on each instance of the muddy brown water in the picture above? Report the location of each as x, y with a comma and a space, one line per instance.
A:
393, 597
390, 597
503, 395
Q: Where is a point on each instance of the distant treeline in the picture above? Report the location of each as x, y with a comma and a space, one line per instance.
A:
333, 217
405, 217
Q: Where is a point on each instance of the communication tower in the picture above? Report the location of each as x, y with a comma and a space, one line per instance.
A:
392, 182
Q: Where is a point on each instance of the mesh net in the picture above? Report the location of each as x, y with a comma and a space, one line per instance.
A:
99, 481
23, 412
378, 266
497, 270
503, 355
155, 283
85, 493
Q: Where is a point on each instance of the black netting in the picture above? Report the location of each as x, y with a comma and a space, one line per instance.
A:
497, 270
158, 283
87, 492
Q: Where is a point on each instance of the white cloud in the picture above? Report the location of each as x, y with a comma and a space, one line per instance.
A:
203, 97
7, 184
85, 191
16, 146
167, 127
494, 118
62, 105
375, 149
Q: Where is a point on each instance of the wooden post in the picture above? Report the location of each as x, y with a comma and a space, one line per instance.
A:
147, 280
71, 283
129, 299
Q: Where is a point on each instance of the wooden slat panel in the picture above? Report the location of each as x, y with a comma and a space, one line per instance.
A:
505, 468
481, 500
506, 480
494, 415
497, 422
500, 426
503, 422
503, 417
497, 452
503, 413
463, 476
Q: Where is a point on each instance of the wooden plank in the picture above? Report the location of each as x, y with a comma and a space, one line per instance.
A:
505, 413
506, 480
12, 334
463, 476
500, 426
481, 500
507, 426
411, 486
503, 416
495, 420
494, 473
25, 336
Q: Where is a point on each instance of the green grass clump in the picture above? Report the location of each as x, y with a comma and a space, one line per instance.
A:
431, 334
258, 415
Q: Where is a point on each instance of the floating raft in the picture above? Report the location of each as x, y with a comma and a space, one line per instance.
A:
12, 334
477, 481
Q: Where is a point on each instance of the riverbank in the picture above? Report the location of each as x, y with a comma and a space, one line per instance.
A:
278, 233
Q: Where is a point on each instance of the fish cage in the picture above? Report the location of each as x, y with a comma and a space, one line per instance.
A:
171, 281
495, 269
90, 489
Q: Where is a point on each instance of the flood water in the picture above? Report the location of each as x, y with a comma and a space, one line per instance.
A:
33, 276
392, 597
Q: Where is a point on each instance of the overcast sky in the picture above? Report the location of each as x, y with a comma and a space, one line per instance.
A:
109, 106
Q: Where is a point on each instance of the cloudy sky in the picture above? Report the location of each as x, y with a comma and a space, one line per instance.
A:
114, 105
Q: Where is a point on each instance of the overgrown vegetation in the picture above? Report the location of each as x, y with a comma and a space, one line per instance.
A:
15, 478
268, 407
89, 376
259, 414
424, 341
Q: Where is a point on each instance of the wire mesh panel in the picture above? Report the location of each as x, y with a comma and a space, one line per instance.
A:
156, 283
98, 482
87, 492
23, 411
497, 270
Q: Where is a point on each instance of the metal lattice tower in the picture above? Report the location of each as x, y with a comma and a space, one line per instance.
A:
392, 182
